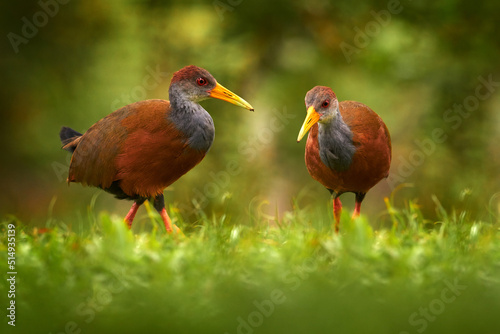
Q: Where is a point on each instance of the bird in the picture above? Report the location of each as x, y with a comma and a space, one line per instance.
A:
348, 148
142, 148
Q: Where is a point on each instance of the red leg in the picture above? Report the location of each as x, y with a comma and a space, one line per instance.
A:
357, 209
166, 220
168, 223
357, 206
337, 209
129, 218
159, 204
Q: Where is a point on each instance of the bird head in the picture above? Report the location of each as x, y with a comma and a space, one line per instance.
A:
322, 106
197, 84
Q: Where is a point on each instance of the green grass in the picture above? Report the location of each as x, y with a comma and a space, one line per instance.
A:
291, 276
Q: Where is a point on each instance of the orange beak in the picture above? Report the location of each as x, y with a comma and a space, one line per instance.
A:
311, 119
224, 94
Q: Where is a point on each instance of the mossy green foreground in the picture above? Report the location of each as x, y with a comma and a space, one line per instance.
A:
295, 276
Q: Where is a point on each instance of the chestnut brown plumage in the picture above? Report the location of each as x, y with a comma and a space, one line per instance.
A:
348, 148
140, 149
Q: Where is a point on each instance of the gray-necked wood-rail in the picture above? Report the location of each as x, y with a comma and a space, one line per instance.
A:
142, 148
348, 148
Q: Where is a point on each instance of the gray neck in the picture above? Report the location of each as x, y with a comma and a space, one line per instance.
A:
336, 148
191, 119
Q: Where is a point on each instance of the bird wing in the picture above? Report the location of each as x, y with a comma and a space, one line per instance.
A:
154, 154
93, 160
363, 121
136, 145
370, 136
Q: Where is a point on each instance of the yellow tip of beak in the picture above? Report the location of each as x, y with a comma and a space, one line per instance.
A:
311, 119
222, 93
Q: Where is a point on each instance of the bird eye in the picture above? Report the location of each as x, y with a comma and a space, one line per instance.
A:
325, 104
201, 81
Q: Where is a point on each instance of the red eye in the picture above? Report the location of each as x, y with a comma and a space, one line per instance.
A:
325, 104
201, 81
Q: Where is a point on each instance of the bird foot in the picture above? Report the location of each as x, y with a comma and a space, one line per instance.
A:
128, 222
169, 227
175, 230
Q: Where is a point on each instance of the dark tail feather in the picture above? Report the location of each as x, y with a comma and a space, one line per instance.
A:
68, 135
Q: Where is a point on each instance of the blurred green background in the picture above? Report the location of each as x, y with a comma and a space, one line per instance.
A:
424, 67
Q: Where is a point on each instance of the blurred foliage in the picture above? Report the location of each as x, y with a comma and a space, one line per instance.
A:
96, 276
412, 65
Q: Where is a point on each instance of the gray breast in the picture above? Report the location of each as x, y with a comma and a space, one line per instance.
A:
201, 132
196, 124
336, 148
